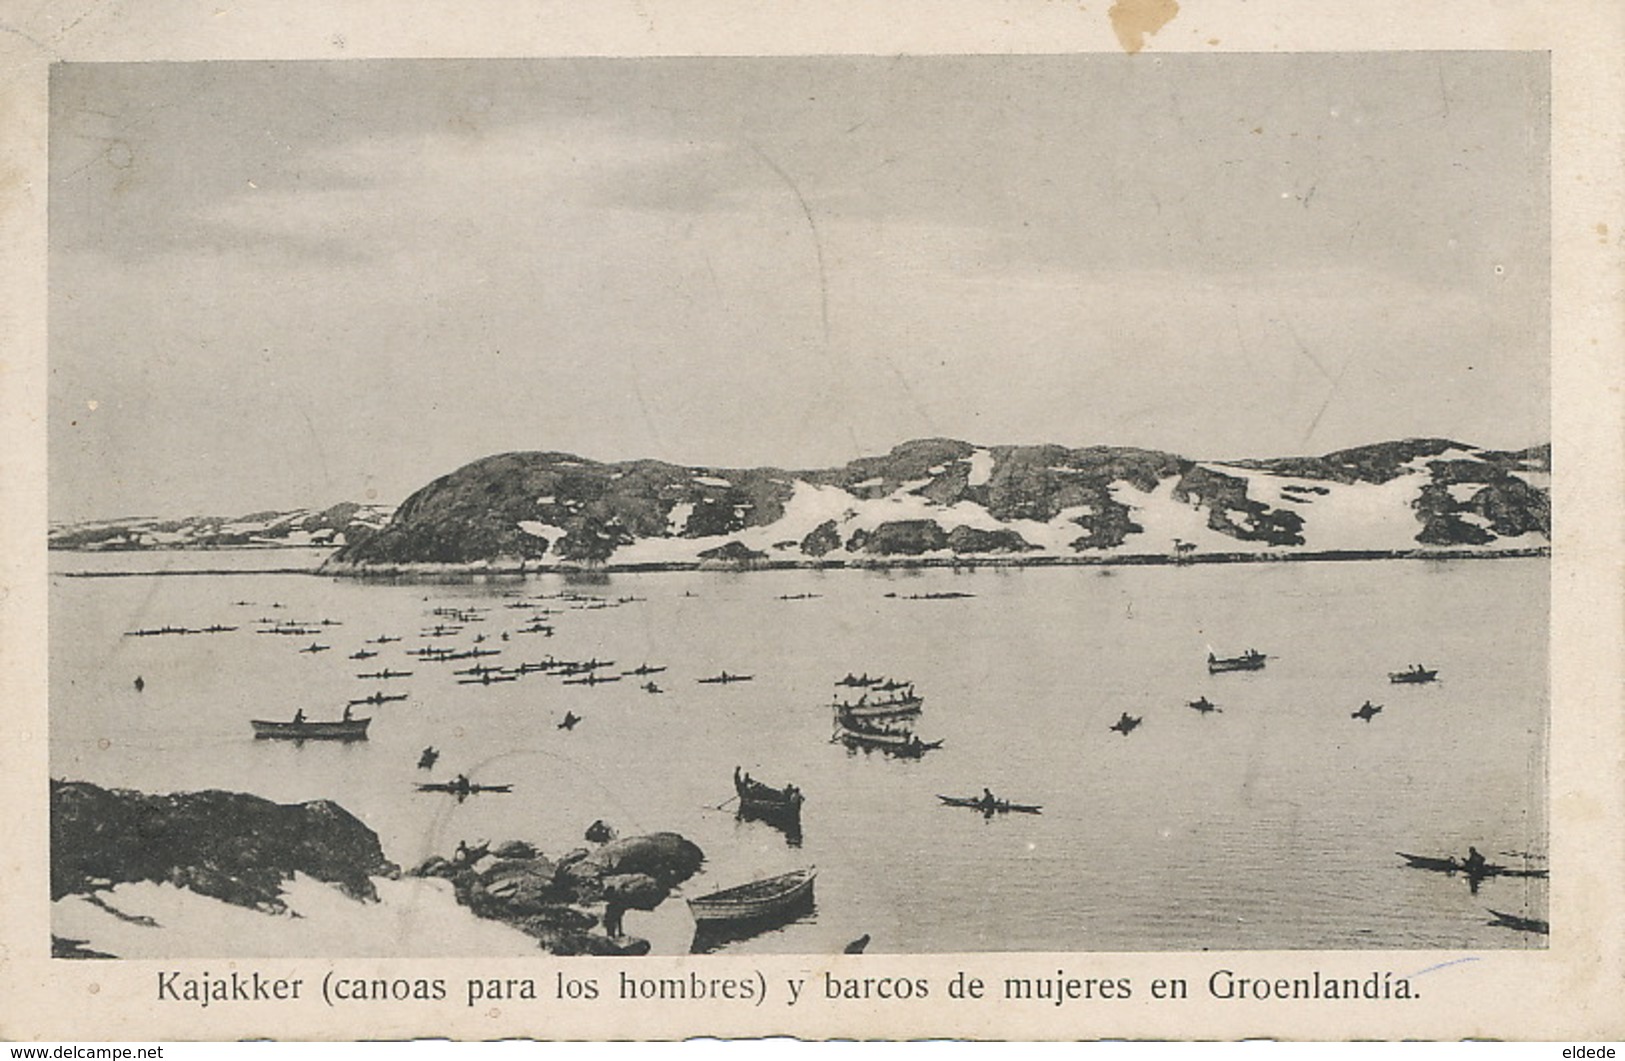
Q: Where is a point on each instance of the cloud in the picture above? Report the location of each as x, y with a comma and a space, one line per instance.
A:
791, 260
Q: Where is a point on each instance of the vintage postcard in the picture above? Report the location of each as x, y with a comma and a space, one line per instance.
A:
1074, 521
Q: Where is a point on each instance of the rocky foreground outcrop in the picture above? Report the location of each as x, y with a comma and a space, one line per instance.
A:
230, 846
242, 849
573, 904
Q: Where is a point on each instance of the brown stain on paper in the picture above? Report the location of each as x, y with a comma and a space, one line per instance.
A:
1135, 20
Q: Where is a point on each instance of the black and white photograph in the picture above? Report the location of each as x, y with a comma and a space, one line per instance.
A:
800, 505
726, 508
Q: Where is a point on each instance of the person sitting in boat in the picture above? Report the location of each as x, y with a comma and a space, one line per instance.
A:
1474, 865
987, 802
460, 782
299, 717
346, 712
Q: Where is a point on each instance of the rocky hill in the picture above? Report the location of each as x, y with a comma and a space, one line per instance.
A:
343, 524
942, 499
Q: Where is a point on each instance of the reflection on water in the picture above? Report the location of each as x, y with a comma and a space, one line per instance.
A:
1271, 823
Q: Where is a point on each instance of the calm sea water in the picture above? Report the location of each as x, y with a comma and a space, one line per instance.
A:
1273, 824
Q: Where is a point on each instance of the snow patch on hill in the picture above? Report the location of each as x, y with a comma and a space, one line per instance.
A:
981, 468
1346, 515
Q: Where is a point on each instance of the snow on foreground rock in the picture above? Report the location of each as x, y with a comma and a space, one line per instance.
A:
191, 874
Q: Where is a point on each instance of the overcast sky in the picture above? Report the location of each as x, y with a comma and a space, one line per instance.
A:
277, 284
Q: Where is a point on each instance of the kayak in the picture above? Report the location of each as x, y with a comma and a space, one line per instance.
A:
456, 789
1456, 865
1001, 806
1522, 924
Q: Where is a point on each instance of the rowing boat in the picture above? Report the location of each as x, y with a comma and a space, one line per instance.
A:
766, 802
1248, 660
891, 707
760, 901
998, 806
354, 729
895, 742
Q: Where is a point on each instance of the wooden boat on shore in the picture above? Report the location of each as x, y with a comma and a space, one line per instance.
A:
1452, 864
302, 729
1414, 675
993, 806
1248, 660
760, 902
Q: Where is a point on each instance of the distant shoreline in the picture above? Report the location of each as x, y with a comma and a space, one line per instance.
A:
522, 569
